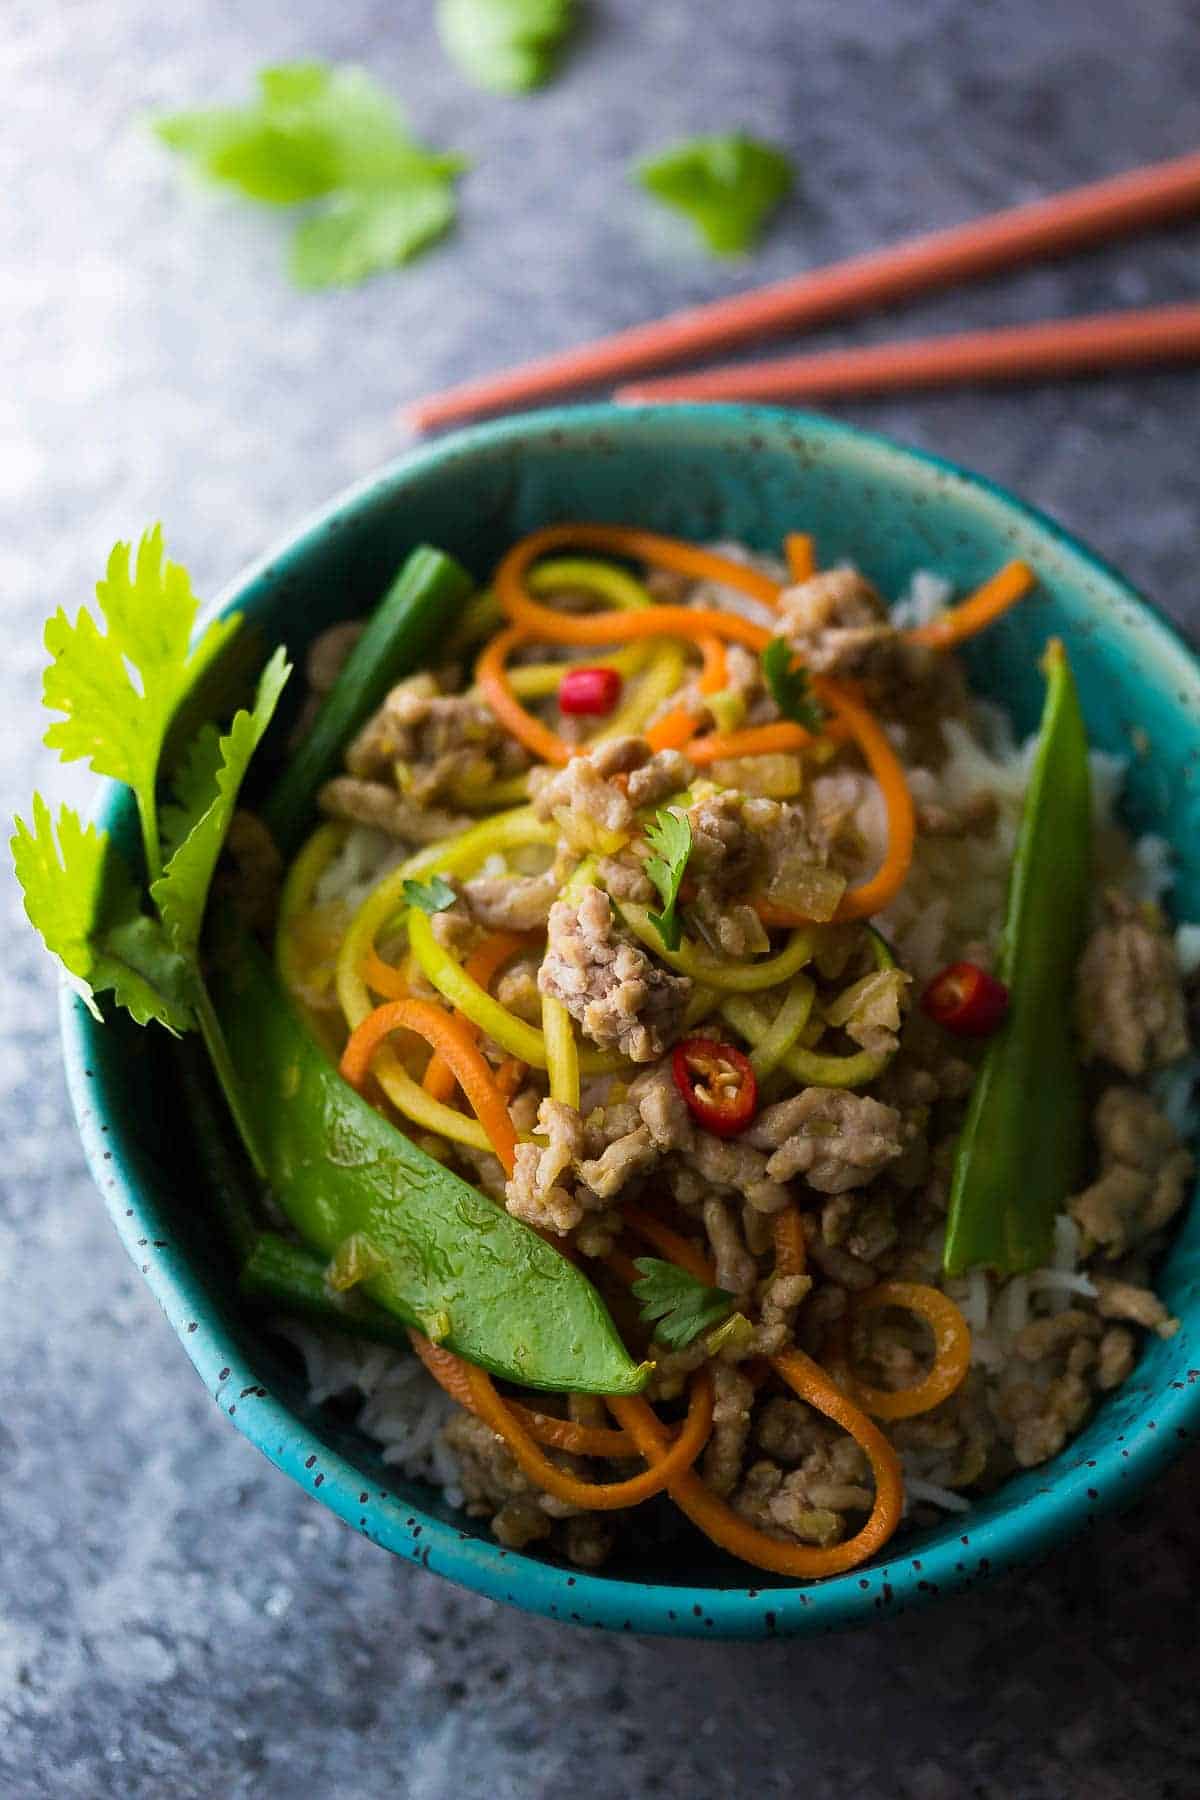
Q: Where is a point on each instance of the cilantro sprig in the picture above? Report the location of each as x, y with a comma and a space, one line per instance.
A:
788, 682
330, 138
119, 680
726, 185
669, 836
676, 1304
431, 896
508, 46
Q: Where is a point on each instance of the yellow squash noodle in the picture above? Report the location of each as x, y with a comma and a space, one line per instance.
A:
714, 971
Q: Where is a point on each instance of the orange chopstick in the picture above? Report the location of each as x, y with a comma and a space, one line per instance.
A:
1054, 347
1135, 201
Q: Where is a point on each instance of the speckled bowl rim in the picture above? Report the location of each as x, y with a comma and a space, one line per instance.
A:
1076, 1496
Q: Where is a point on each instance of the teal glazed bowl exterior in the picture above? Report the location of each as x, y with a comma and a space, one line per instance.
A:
702, 473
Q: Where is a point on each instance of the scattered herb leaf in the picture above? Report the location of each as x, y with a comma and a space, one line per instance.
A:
726, 185
326, 135
788, 682
675, 1303
508, 46
431, 896
669, 836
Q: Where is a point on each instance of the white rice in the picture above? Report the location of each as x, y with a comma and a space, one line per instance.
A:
403, 1408
923, 599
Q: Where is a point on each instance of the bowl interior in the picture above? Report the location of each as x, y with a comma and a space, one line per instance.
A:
701, 473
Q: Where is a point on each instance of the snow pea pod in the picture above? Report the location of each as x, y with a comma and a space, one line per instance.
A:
451, 1261
1021, 1147
421, 606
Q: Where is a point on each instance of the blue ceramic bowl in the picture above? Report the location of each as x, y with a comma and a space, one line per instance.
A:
703, 473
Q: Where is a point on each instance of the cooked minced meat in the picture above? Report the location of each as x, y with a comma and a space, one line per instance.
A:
607, 982
595, 797
328, 652
835, 622
1132, 1011
375, 803
511, 902
535, 1191
836, 1140
1144, 1173
433, 745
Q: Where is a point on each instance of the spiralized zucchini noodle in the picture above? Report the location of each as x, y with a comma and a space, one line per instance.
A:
414, 1023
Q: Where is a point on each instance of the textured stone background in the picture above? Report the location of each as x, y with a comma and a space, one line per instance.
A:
176, 1619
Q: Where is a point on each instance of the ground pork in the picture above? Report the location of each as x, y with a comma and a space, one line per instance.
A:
594, 799
737, 1166
836, 1140
535, 1191
1131, 1003
378, 804
1124, 1300
1144, 1172
825, 1475
511, 902
835, 622
517, 990
733, 1403
736, 1270
607, 983
433, 745
1037, 1421
625, 878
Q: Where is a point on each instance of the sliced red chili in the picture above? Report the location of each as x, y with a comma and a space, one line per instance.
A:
589, 692
718, 1084
966, 1000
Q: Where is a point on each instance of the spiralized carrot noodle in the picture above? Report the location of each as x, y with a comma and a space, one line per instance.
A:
485, 961
952, 1350
801, 554
668, 1458
450, 1372
676, 1249
978, 610
383, 977
445, 1033
494, 685
756, 740
791, 1250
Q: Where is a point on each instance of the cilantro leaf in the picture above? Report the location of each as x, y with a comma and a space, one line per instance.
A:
81, 898
331, 137
669, 836
182, 890
508, 46
788, 682
676, 1304
726, 185
119, 688
358, 234
432, 896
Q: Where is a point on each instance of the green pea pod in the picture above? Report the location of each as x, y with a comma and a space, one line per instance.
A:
454, 1264
421, 607
1021, 1148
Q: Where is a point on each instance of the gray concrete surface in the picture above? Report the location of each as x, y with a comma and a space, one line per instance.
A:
176, 1619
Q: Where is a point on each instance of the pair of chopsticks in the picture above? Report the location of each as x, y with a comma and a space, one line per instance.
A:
1158, 194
